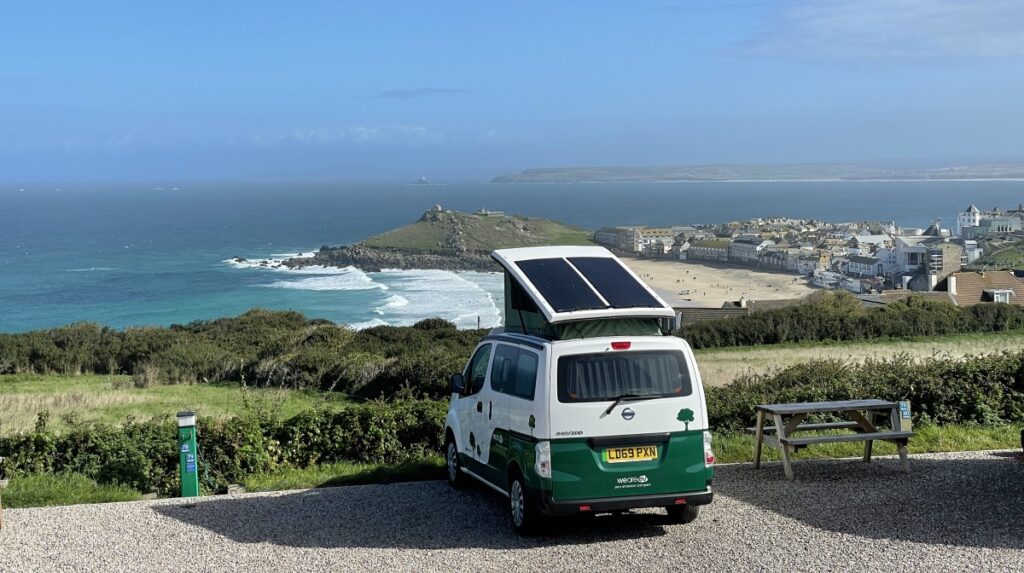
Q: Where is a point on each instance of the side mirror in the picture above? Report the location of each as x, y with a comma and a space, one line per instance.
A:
458, 384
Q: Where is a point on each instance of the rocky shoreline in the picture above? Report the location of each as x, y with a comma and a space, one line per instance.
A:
374, 259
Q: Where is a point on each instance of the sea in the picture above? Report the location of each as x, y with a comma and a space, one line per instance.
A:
142, 255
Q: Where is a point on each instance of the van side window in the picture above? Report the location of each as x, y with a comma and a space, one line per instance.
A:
526, 375
503, 368
476, 372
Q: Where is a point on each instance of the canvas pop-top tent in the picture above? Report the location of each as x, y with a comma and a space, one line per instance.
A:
577, 292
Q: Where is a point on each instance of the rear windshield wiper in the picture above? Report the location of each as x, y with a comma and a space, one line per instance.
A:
629, 397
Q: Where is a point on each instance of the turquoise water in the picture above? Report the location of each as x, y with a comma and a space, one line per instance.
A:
137, 255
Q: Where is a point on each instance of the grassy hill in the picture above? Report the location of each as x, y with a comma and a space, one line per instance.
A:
441, 230
1001, 255
447, 240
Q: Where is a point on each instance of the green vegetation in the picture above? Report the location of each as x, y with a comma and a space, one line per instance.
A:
986, 390
733, 447
347, 473
290, 402
720, 366
841, 316
1002, 255
142, 455
111, 399
439, 231
36, 490
259, 348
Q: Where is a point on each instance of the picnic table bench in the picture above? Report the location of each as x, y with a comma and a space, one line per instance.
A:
865, 417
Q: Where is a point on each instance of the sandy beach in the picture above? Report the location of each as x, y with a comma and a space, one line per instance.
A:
712, 286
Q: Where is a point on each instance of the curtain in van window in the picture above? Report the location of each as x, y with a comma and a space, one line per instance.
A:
503, 368
526, 375
599, 377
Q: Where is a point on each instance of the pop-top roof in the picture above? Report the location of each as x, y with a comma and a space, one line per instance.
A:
580, 283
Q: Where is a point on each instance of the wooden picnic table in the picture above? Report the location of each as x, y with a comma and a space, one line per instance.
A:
864, 417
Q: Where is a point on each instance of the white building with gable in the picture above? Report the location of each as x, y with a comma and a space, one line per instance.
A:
971, 217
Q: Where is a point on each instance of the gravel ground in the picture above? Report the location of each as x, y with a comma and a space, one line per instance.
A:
952, 512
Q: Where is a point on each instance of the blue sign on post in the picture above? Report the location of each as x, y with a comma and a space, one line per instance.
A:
905, 422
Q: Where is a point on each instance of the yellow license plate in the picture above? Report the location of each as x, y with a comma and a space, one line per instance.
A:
631, 454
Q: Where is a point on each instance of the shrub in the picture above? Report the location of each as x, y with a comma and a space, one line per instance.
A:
143, 456
260, 347
841, 316
987, 390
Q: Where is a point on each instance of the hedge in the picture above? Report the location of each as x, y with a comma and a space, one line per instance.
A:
987, 390
842, 316
144, 456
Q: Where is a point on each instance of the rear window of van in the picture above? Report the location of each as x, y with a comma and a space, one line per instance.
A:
609, 375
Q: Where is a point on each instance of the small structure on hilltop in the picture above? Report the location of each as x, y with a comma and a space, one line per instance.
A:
483, 212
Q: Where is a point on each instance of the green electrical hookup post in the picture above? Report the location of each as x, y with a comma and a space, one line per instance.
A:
187, 454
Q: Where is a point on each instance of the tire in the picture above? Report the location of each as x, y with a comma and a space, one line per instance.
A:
682, 513
456, 478
525, 519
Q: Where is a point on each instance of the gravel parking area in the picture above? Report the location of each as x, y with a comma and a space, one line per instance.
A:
952, 512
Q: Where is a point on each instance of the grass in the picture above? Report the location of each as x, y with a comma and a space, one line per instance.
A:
480, 233
66, 489
112, 399
38, 490
732, 448
720, 366
347, 473
1008, 255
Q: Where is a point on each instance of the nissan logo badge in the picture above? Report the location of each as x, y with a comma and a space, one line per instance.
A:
628, 414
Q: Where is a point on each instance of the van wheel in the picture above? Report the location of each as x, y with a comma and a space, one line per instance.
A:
451, 454
682, 513
524, 517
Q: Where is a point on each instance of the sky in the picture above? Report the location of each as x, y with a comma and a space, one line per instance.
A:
180, 91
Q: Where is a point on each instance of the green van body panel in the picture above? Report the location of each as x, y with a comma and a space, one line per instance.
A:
580, 472
507, 448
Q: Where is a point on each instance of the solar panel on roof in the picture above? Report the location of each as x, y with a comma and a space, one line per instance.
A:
560, 285
616, 285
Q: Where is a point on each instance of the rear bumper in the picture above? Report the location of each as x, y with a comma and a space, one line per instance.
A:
551, 507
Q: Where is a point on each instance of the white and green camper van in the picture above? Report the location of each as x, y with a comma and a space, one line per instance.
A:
582, 403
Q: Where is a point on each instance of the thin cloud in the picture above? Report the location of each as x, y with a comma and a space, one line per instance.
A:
353, 135
419, 92
912, 29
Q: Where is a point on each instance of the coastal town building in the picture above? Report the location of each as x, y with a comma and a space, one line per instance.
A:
709, 250
860, 256
993, 226
865, 266
747, 249
970, 288
970, 217
616, 238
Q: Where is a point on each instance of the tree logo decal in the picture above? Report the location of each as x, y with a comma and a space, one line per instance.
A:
685, 416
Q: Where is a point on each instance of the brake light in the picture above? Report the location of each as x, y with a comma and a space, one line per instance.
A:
709, 455
542, 465
621, 345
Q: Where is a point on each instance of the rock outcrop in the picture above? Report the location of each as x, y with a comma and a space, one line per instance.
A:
375, 259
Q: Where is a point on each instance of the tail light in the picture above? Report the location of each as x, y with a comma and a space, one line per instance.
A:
709, 455
542, 465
